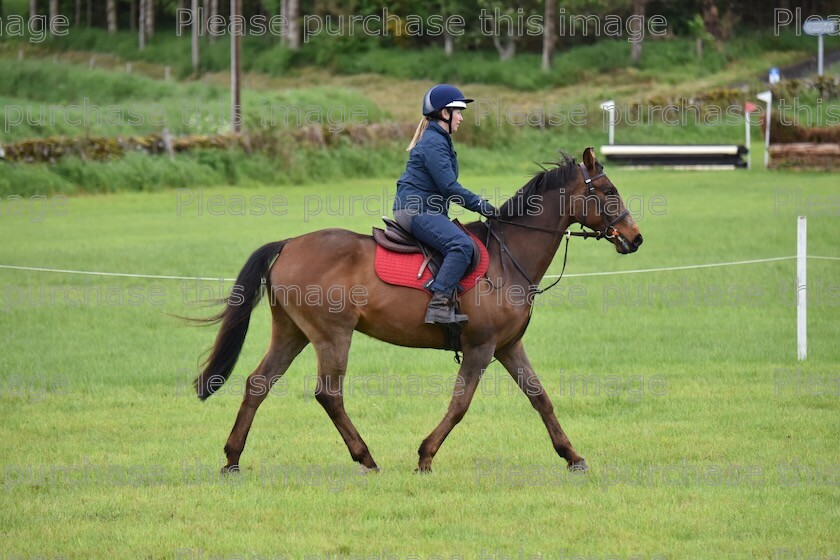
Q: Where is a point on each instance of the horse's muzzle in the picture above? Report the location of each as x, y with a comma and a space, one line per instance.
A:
625, 247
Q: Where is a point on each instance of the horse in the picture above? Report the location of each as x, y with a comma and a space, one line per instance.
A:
526, 232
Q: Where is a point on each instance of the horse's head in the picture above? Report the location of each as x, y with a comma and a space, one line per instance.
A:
595, 203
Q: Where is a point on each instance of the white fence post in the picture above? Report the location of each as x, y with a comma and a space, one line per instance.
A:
801, 288
609, 107
767, 97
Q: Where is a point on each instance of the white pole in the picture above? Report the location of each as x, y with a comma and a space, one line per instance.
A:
609, 107
801, 289
820, 55
767, 97
747, 129
767, 135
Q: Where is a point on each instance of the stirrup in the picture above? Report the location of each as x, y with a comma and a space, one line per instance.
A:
452, 319
433, 317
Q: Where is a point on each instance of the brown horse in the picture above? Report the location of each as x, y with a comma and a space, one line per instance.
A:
522, 242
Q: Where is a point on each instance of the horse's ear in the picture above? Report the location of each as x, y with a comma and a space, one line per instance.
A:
589, 159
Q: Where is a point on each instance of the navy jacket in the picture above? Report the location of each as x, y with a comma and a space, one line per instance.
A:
430, 182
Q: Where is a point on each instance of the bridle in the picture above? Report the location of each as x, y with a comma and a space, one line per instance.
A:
609, 221
609, 232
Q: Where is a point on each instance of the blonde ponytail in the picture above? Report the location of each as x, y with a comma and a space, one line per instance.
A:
421, 128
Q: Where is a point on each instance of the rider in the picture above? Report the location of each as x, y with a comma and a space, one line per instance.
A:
425, 191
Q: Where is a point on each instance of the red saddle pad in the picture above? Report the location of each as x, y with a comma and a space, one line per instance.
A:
400, 269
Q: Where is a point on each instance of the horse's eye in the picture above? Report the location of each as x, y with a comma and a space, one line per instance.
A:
610, 192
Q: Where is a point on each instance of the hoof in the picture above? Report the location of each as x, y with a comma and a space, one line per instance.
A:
367, 470
423, 470
229, 469
579, 466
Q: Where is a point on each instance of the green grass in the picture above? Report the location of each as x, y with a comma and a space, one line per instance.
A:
483, 147
45, 98
670, 61
107, 384
499, 150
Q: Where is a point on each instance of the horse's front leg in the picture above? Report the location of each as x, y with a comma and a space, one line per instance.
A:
516, 362
475, 361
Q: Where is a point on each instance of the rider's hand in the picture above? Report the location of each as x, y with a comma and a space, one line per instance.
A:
487, 210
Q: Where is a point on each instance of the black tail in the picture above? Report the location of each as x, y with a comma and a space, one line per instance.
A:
244, 296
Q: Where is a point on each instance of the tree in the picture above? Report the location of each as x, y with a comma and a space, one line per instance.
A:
214, 11
548, 35
53, 13
639, 15
111, 11
284, 14
507, 49
141, 24
150, 18
289, 11
194, 33
449, 8
33, 13
711, 19
182, 5
292, 15
700, 33
510, 20
448, 43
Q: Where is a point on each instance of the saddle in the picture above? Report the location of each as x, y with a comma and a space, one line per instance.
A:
396, 238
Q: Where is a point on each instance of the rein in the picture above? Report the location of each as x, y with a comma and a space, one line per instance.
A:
609, 232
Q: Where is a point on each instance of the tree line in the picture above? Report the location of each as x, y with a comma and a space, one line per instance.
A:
564, 23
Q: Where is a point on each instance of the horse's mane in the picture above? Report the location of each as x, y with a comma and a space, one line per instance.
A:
541, 181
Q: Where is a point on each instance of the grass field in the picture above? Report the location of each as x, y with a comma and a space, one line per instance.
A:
705, 436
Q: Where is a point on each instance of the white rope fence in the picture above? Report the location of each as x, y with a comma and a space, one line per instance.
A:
669, 268
112, 274
577, 275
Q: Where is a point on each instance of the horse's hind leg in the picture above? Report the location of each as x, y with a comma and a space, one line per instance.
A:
332, 365
287, 341
516, 362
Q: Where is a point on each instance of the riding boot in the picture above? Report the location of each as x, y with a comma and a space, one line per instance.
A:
441, 310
